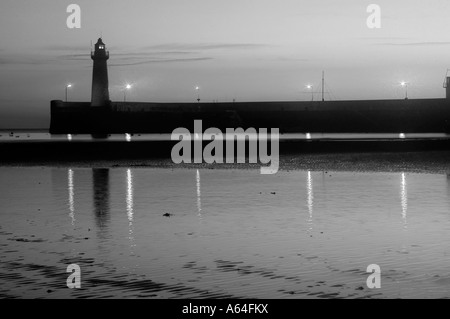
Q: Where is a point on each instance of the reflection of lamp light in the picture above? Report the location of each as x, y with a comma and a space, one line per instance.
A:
402, 135
130, 196
128, 137
130, 205
70, 187
308, 136
404, 199
309, 186
199, 194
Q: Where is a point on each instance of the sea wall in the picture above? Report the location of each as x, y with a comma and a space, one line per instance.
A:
375, 116
78, 118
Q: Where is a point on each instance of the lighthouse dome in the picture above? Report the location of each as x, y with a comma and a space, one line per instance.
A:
100, 45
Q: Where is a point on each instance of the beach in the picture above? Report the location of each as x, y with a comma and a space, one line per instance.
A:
417, 162
148, 228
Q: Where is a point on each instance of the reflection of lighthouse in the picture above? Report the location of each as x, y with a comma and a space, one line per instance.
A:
100, 177
100, 92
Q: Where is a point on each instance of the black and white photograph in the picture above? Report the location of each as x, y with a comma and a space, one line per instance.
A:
220, 150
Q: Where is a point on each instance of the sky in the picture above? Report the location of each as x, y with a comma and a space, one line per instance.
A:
247, 50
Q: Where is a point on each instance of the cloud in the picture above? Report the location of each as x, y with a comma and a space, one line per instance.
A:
24, 59
75, 57
206, 46
131, 58
289, 59
172, 48
415, 44
160, 61
70, 48
143, 53
159, 53
382, 38
175, 53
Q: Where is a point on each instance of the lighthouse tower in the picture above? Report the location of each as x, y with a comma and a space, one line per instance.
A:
100, 92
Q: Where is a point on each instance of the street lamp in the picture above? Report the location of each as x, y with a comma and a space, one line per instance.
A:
198, 93
127, 87
405, 85
310, 87
68, 86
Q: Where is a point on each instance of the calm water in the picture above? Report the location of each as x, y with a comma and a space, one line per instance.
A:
232, 233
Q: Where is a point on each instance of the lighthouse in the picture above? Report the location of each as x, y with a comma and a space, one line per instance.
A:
100, 92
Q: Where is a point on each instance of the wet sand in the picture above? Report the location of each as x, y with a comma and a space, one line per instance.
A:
141, 226
229, 233
417, 162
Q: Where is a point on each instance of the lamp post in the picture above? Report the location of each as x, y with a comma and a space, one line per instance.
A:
198, 93
310, 87
68, 86
127, 87
405, 85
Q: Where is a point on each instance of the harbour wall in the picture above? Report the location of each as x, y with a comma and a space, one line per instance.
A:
363, 116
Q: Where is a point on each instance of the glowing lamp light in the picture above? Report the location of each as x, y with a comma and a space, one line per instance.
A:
310, 87
402, 135
308, 136
68, 86
69, 137
127, 87
197, 88
405, 85
128, 137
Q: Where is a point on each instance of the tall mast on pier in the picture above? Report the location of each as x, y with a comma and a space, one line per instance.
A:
323, 85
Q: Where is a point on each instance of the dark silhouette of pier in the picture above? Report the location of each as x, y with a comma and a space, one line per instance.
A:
102, 116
